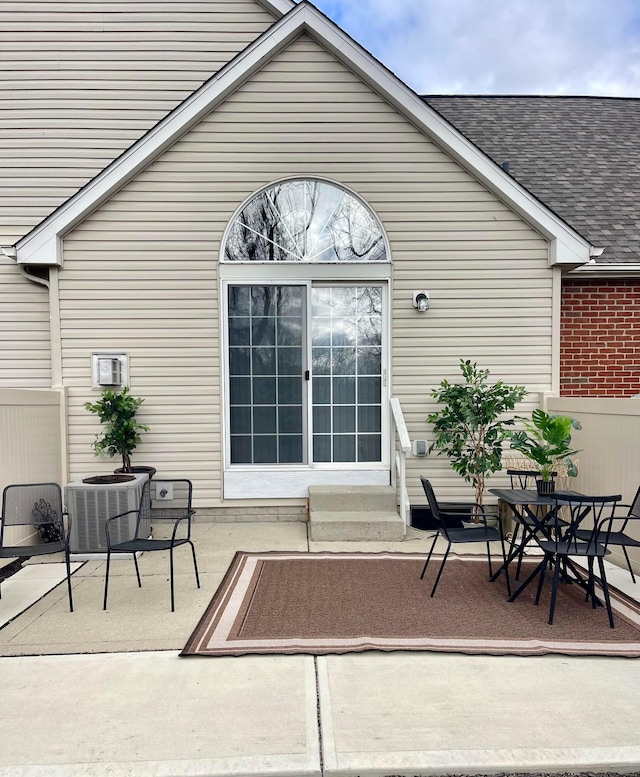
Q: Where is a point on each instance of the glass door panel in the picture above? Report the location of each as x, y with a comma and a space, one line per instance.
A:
346, 369
268, 349
265, 332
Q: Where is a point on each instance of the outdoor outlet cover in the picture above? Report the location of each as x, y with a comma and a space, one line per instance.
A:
164, 491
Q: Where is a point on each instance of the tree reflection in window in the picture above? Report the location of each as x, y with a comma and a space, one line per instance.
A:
305, 221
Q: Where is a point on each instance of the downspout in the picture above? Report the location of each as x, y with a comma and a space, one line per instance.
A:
51, 283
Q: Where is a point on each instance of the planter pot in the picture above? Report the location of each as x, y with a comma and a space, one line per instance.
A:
545, 487
151, 471
108, 479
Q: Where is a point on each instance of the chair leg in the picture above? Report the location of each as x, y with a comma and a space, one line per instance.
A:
605, 590
505, 567
543, 567
444, 561
171, 578
426, 563
135, 563
512, 545
554, 591
591, 588
489, 558
195, 565
68, 561
520, 559
106, 580
626, 555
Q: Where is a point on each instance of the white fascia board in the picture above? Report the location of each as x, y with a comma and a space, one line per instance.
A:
567, 245
620, 270
38, 247
277, 7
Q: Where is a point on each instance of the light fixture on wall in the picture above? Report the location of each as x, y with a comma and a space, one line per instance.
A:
421, 301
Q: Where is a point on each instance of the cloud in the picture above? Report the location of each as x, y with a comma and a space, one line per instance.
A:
586, 47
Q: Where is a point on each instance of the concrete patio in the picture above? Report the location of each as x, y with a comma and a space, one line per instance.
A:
97, 693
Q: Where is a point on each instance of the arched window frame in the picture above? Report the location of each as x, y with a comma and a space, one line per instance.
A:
346, 191
287, 480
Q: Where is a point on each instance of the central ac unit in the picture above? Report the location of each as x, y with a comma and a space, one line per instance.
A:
90, 506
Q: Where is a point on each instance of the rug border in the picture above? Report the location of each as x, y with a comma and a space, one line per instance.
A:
521, 648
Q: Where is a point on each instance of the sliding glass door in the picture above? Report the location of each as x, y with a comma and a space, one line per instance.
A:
305, 374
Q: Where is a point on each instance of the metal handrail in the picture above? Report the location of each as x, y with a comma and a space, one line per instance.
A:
399, 455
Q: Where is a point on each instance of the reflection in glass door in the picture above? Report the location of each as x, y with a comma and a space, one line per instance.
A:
266, 374
346, 359
268, 351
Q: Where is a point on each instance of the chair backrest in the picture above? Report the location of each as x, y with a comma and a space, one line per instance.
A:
635, 505
583, 513
34, 504
524, 479
178, 505
439, 516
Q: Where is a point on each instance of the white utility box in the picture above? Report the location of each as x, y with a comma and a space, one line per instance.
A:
90, 505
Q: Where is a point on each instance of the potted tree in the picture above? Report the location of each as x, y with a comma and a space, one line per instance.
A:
121, 430
546, 440
471, 427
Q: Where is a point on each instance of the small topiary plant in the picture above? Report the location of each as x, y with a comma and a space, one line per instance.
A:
117, 411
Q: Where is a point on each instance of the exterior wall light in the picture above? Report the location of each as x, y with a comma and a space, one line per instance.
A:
421, 301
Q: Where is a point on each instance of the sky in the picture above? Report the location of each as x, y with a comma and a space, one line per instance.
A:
550, 47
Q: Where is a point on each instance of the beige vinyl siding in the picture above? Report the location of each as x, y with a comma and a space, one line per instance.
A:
80, 82
25, 344
140, 274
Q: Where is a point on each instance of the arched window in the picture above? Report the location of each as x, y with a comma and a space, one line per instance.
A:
305, 220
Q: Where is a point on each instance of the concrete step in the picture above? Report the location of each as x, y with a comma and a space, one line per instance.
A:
354, 514
352, 498
354, 526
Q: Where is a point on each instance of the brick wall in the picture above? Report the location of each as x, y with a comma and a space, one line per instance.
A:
600, 338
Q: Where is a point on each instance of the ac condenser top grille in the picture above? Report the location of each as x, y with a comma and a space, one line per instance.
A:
90, 506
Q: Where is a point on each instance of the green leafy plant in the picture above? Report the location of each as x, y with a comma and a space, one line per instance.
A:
546, 440
117, 411
470, 428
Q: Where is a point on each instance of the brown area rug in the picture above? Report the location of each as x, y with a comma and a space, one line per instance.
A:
319, 603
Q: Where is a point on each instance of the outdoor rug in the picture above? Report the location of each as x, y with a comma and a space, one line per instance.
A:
321, 603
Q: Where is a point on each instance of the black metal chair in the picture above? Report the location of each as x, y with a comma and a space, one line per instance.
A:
616, 530
39, 506
452, 527
563, 543
178, 512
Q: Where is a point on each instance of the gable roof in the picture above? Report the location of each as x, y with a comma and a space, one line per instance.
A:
579, 155
43, 244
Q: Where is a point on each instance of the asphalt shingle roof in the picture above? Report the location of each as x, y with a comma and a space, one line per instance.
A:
579, 155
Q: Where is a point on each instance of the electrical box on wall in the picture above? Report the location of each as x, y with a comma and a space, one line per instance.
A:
109, 370
420, 447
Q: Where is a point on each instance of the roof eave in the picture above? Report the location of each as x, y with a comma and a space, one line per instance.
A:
43, 246
277, 7
593, 270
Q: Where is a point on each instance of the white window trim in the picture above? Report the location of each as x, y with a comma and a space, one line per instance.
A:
254, 481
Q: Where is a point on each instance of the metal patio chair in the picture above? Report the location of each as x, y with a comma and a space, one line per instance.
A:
38, 506
451, 526
563, 544
616, 530
177, 514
